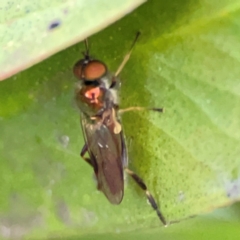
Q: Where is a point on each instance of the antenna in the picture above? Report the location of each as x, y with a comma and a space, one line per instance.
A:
86, 54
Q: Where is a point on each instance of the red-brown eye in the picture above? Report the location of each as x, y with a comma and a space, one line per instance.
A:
89, 71
77, 69
94, 70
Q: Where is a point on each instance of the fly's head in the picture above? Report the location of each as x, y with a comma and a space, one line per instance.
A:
89, 70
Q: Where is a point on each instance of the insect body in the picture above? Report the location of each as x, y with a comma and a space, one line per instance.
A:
96, 97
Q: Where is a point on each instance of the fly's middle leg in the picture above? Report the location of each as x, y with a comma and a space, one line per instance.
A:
150, 198
83, 152
140, 109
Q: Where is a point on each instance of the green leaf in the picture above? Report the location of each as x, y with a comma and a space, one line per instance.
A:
222, 224
187, 61
32, 31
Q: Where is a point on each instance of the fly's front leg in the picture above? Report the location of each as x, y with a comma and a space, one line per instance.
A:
150, 198
124, 61
114, 82
83, 152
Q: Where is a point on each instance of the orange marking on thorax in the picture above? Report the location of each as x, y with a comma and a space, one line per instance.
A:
93, 94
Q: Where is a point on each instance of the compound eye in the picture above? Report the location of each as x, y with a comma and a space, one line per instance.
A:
94, 70
78, 69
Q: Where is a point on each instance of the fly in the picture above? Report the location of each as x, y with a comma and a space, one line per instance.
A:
97, 98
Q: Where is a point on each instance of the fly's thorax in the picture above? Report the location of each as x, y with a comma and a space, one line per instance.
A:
106, 81
107, 119
94, 99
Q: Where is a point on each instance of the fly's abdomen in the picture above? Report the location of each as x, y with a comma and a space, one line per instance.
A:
110, 181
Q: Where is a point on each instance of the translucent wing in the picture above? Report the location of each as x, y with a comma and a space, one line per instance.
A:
107, 153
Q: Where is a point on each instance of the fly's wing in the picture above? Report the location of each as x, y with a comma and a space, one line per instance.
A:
107, 153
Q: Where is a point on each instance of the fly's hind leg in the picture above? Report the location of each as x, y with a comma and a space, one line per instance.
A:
83, 152
150, 198
90, 162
